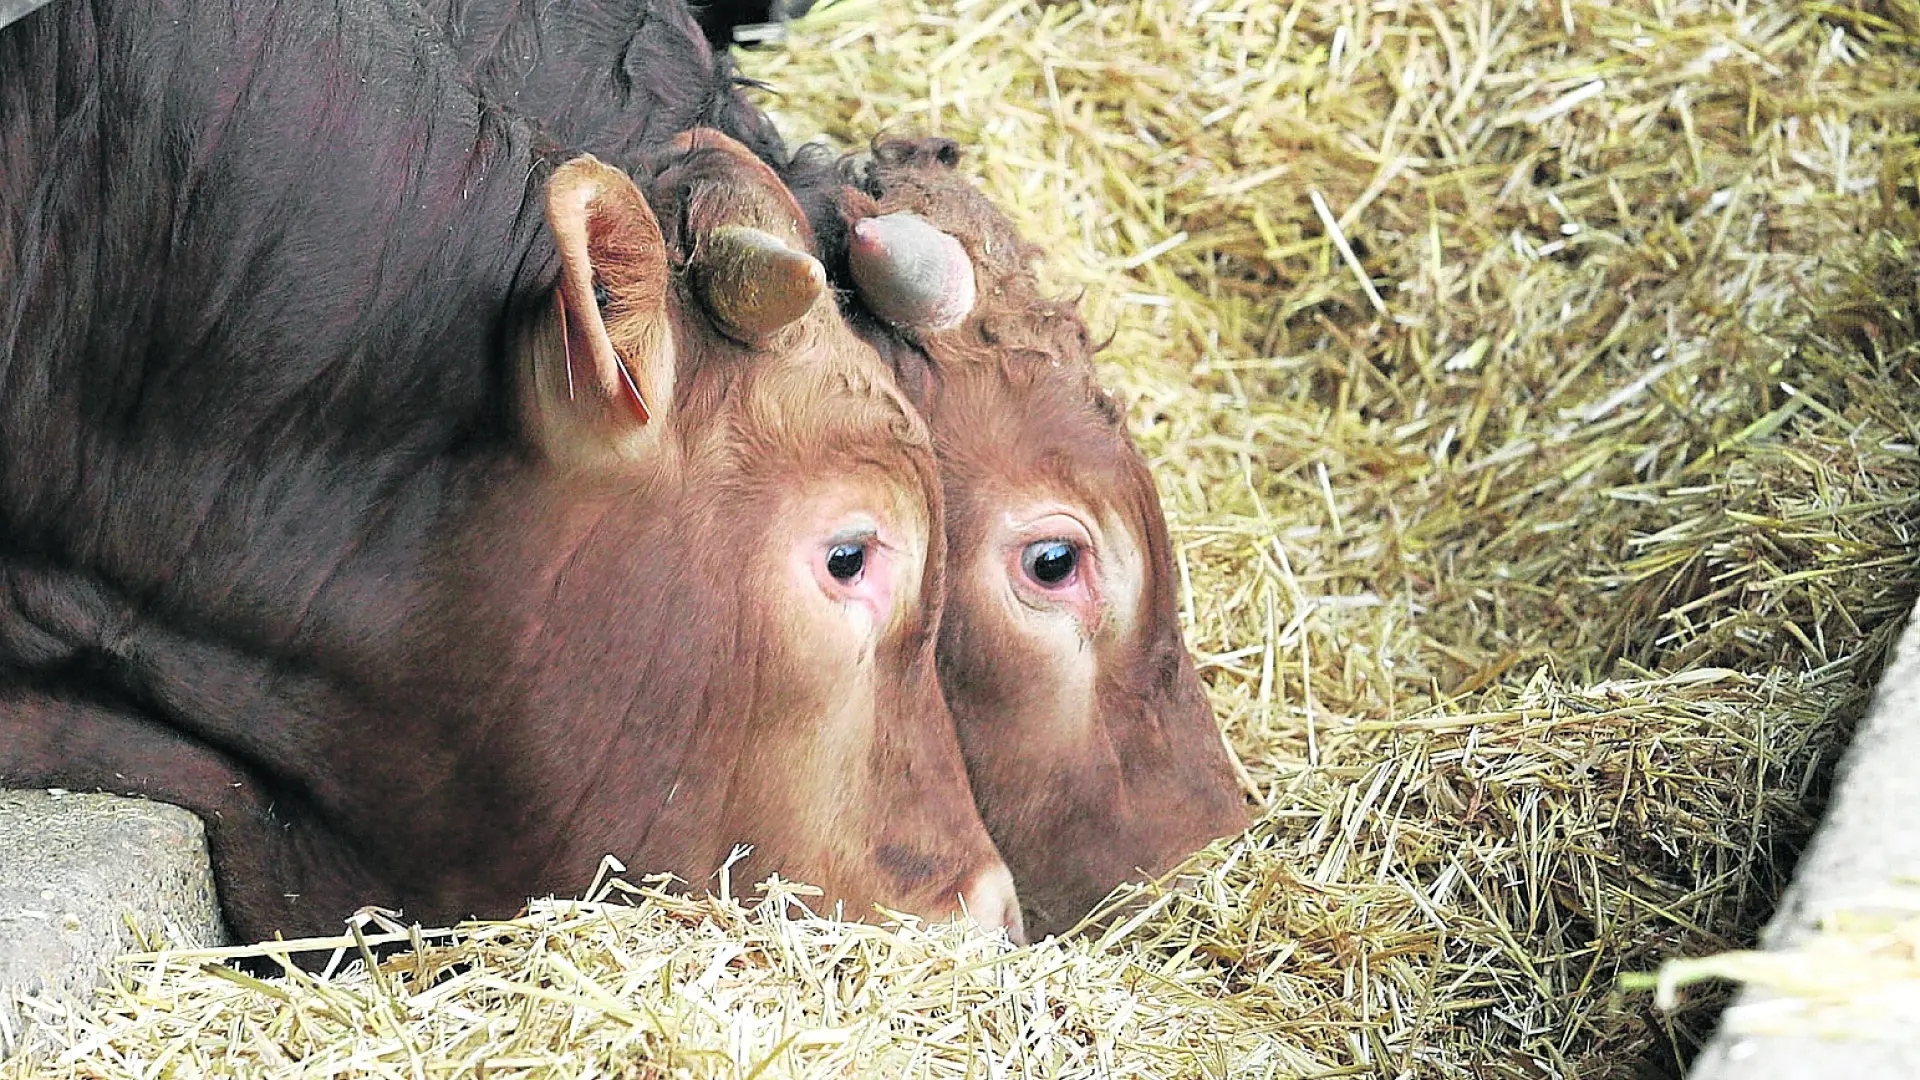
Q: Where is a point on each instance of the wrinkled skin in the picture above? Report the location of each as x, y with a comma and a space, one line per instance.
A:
374, 484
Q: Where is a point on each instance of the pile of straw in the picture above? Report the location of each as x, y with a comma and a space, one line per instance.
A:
1531, 386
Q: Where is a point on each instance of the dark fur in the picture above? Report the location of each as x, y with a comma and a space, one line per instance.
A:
590, 70
271, 543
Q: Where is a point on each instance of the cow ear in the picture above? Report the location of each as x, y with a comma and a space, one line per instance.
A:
615, 371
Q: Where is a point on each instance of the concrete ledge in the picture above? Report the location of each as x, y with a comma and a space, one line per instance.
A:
1866, 852
74, 870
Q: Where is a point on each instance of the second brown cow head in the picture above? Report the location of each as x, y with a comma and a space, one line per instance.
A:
724, 559
1092, 750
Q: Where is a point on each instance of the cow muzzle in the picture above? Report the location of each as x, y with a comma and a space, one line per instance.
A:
991, 903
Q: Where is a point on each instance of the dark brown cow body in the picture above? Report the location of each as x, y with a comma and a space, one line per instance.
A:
610, 77
325, 514
1092, 751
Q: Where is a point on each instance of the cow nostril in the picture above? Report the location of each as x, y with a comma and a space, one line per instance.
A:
991, 903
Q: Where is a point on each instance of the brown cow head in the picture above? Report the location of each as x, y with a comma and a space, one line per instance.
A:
1093, 753
724, 559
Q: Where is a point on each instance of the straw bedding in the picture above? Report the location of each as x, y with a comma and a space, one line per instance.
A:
1531, 386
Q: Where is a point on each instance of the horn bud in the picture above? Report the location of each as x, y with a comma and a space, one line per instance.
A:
752, 283
910, 273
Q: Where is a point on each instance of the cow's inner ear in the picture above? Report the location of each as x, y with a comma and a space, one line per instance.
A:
614, 281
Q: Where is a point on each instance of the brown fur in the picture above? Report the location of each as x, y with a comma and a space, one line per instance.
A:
818, 766
1018, 371
281, 542
1016, 412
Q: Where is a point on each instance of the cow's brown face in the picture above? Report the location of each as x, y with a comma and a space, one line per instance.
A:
724, 613
1093, 754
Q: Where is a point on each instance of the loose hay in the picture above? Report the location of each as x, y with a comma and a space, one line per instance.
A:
667, 985
1531, 384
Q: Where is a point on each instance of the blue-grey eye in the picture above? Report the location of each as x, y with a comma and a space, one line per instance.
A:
601, 297
845, 561
1050, 563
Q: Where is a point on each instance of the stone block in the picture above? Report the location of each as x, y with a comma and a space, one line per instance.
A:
74, 871
1867, 850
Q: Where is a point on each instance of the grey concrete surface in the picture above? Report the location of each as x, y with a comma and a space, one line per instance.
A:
1866, 851
74, 869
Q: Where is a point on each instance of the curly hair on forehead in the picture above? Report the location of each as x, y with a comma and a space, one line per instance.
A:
921, 176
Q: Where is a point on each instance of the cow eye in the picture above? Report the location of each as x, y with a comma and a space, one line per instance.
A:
601, 297
846, 561
1050, 563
